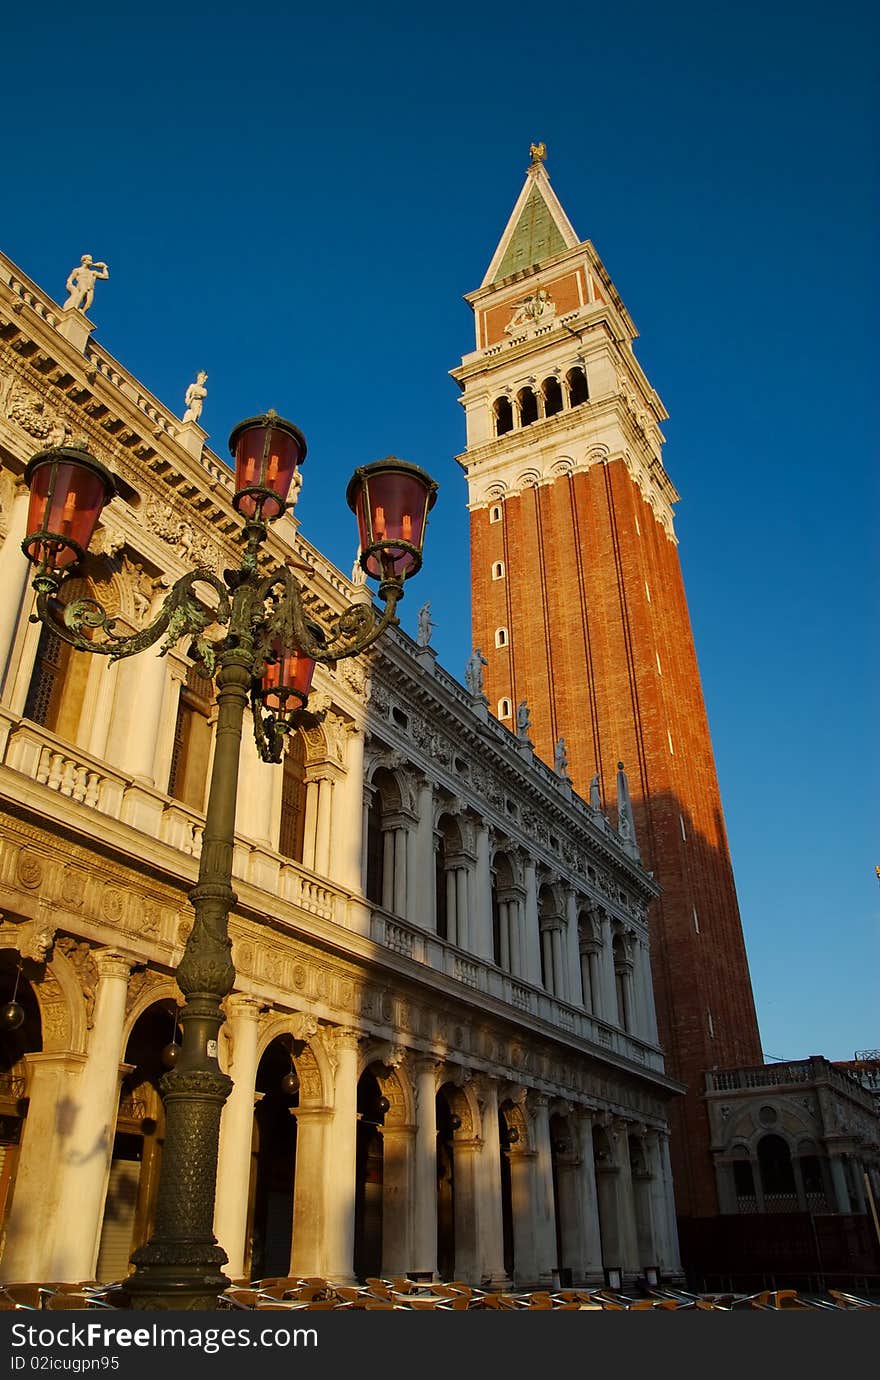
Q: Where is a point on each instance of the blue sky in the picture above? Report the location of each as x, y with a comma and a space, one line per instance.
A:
296, 203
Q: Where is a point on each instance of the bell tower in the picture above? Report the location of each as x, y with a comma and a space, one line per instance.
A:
579, 607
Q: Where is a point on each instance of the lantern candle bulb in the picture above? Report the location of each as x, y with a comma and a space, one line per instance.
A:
379, 521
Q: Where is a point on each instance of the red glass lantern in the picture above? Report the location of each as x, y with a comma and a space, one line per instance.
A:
391, 500
267, 451
69, 488
288, 674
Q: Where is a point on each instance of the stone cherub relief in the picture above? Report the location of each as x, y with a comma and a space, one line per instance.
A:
81, 283
194, 397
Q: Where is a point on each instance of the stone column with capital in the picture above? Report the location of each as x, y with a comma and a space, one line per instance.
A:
626, 1208
589, 1264
607, 980
236, 1132
544, 1204
30, 1226
93, 1101
572, 952
841, 1190
482, 942
531, 948
424, 1255
491, 1227
349, 840
342, 1158
14, 574
426, 913
671, 1236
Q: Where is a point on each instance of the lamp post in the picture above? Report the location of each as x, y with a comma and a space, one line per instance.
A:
267, 656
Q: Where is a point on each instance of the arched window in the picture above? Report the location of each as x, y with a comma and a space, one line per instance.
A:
293, 799
528, 406
58, 681
578, 392
500, 637
498, 570
777, 1175
503, 416
552, 396
495, 513
504, 709
192, 740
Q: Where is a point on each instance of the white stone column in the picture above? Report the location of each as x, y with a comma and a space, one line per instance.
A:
399, 837
606, 966
504, 935
449, 888
93, 1101
489, 1218
256, 780
547, 957
462, 915
659, 1213
481, 938
544, 1201
314, 1189
560, 988
515, 914
531, 951
322, 826
387, 869
366, 799
310, 824
32, 1216
349, 815
98, 729
590, 1255
413, 900
672, 1245
425, 1206
15, 572
236, 1132
522, 1193
342, 1160
625, 1198
426, 913
136, 715
572, 951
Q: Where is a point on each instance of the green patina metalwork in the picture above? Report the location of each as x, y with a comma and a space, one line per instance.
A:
536, 237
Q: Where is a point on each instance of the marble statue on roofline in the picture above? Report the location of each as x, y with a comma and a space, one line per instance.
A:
426, 625
523, 720
595, 797
81, 283
473, 671
194, 397
560, 759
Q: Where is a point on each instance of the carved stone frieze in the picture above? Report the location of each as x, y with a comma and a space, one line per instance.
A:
79, 955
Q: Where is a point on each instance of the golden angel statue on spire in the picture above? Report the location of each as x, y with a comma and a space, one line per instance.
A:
538, 152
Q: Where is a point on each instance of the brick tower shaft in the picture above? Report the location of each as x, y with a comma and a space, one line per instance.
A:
579, 606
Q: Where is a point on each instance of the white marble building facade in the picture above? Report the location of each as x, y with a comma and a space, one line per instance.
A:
442, 1037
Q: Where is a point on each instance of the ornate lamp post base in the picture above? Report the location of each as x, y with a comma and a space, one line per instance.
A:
182, 1266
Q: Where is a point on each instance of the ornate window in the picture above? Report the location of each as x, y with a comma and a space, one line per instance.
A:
192, 741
